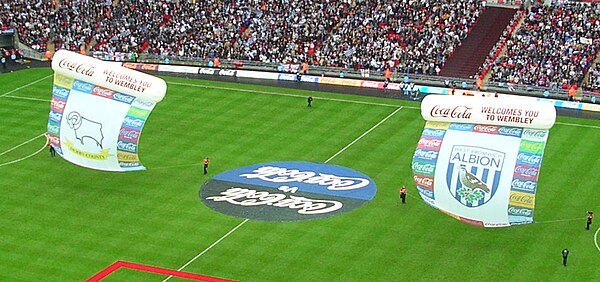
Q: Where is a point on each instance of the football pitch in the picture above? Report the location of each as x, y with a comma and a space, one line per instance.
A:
61, 222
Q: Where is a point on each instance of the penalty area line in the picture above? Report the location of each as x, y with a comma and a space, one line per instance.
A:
27, 98
246, 220
24, 143
28, 156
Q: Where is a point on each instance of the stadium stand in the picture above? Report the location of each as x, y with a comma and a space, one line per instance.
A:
414, 37
554, 47
466, 60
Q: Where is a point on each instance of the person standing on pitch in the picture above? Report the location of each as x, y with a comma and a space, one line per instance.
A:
403, 194
206, 161
53, 151
565, 254
309, 100
590, 217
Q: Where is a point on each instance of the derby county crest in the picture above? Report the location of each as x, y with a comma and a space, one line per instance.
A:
473, 174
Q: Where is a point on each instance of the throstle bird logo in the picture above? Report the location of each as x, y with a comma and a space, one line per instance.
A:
471, 181
473, 174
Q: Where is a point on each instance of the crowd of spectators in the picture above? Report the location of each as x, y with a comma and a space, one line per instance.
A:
31, 20
415, 36
554, 47
593, 82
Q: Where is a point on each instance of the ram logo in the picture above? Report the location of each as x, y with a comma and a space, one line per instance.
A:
85, 128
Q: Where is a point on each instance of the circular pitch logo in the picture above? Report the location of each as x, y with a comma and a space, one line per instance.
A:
287, 191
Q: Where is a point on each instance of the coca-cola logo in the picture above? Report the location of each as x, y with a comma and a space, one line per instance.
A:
103, 92
82, 86
78, 67
423, 181
133, 122
150, 67
534, 134
129, 164
130, 134
485, 128
59, 92
526, 199
425, 192
58, 104
127, 157
426, 154
227, 72
287, 191
529, 159
429, 143
436, 133
54, 128
423, 168
520, 211
372, 84
206, 71
56, 116
127, 146
525, 185
461, 126
458, 112
510, 131
532, 147
123, 98
527, 171
143, 104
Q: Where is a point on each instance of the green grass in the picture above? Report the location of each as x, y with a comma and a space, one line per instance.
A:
60, 222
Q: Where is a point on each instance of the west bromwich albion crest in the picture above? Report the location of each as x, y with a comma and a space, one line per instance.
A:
473, 174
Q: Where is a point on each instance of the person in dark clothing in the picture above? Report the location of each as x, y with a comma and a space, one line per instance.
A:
590, 217
206, 161
565, 255
403, 194
309, 100
52, 150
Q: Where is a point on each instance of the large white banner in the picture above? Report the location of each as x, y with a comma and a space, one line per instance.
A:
482, 170
98, 111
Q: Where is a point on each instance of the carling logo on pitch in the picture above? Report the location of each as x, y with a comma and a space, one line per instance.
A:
287, 191
473, 174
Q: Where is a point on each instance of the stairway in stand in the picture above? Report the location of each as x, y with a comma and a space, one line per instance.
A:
467, 58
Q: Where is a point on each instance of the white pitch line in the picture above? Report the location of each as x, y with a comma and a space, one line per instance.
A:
174, 166
560, 220
26, 85
26, 98
578, 125
209, 247
246, 220
26, 157
360, 137
291, 95
24, 143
